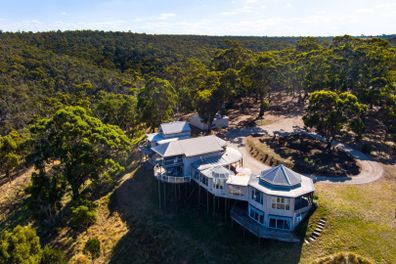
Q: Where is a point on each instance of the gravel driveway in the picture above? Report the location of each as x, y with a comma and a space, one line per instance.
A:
370, 170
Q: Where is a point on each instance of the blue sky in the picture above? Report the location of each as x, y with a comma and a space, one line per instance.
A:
237, 17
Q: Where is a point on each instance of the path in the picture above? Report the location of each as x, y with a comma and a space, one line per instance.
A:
370, 170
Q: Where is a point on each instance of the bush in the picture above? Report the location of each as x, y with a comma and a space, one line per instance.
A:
343, 258
93, 247
52, 256
83, 213
21, 245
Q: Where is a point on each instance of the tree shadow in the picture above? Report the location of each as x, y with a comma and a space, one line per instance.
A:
185, 235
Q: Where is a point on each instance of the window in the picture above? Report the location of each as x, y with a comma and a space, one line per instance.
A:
235, 190
204, 180
279, 223
257, 196
281, 203
218, 184
256, 214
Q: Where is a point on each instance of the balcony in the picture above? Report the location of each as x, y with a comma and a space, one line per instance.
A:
163, 175
239, 215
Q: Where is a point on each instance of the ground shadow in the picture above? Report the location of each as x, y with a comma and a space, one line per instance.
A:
187, 235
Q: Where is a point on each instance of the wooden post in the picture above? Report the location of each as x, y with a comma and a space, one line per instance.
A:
207, 202
165, 196
214, 204
159, 193
225, 210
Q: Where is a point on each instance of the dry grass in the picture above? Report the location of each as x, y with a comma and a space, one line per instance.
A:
264, 153
361, 218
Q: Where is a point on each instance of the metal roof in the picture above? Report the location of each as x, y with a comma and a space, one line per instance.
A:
281, 176
191, 147
175, 127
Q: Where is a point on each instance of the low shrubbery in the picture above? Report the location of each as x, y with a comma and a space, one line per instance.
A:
83, 213
343, 258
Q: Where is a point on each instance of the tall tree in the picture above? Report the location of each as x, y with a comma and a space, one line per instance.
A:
11, 154
86, 148
157, 102
329, 113
259, 76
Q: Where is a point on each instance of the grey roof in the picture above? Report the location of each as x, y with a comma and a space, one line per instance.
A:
175, 127
281, 176
191, 147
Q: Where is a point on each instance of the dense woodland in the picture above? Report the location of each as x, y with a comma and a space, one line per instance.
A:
75, 104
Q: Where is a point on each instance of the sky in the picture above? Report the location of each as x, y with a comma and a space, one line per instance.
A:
204, 17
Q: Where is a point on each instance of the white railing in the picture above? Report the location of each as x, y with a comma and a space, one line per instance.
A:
161, 175
173, 179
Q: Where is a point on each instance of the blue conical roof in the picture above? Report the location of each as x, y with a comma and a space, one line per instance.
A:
281, 176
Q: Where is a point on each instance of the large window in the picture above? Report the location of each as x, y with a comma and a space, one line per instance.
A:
257, 196
235, 190
279, 223
281, 203
218, 184
204, 180
256, 214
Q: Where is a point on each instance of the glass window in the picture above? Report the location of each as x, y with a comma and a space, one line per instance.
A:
256, 214
279, 223
281, 203
257, 196
272, 223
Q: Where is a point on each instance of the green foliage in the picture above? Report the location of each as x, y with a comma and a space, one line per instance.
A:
83, 213
84, 146
118, 109
46, 192
52, 256
157, 101
21, 245
11, 152
329, 113
92, 247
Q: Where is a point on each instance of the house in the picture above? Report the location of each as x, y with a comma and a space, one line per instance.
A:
177, 161
167, 132
218, 122
269, 205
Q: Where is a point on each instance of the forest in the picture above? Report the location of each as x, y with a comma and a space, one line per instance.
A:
75, 104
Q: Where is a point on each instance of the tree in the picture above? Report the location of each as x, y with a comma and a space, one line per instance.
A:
93, 248
157, 101
83, 213
234, 57
118, 109
259, 75
10, 152
329, 113
84, 146
21, 245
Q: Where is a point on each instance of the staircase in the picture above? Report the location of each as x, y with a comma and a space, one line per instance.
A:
317, 232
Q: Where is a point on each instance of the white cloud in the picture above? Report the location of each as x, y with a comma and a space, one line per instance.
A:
165, 16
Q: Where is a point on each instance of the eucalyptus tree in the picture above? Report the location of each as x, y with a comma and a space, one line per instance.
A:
330, 113
80, 146
157, 102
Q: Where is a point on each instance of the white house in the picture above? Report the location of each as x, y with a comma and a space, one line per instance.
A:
269, 205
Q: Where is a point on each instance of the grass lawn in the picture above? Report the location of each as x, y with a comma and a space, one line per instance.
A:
361, 218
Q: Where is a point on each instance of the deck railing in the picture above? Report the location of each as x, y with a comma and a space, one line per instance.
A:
162, 175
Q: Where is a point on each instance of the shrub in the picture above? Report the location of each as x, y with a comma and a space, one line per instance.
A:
343, 258
52, 256
21, 245
83, 213
93, 247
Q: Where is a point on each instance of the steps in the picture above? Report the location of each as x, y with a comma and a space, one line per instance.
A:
317, 231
